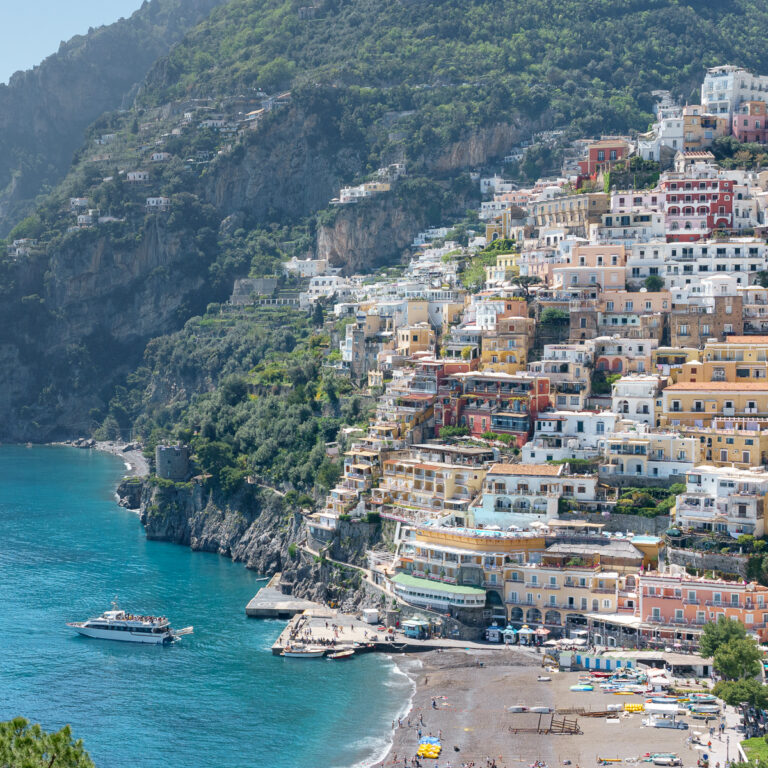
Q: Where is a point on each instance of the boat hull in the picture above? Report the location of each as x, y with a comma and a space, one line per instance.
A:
303, 654
123, 636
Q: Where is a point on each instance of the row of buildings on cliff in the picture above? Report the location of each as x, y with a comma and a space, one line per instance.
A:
571, 429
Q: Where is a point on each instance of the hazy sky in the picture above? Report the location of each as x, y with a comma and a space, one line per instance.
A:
30, 30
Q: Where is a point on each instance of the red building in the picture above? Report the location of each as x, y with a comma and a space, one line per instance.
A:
693, 208
749, 122
602, 156
488, 401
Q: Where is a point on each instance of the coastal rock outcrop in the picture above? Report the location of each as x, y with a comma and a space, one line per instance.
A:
253, 526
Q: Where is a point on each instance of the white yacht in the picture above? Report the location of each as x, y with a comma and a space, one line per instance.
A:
130, 628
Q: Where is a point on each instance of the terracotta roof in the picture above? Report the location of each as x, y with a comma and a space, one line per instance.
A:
718, 386
542, 470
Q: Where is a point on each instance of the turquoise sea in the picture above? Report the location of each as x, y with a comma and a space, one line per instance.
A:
218, 697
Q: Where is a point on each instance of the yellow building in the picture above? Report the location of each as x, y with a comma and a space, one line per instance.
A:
559, 588
739, 349
469, 556
694, 404
726, 370
740, 443
415, 338
417, 489
506, 348
669, 360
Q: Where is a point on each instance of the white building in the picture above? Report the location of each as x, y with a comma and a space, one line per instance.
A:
158, 203
723, 500
634, 397
137, 177
522, 494
640, 453
725, 87
568, 435
325, 286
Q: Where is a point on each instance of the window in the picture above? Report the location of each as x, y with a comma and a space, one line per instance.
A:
579, 426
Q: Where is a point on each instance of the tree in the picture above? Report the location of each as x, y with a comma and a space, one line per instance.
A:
761, 278
738, 659
735, 692
524, 282
553, 316
24, 744
718, 633
654, 283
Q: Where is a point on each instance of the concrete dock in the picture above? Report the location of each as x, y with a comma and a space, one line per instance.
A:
270, 603
325, 626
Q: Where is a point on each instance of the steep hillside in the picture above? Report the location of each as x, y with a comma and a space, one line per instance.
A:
444, 86
45, 111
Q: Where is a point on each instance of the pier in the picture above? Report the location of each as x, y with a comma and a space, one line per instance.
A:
325, 626
271, 603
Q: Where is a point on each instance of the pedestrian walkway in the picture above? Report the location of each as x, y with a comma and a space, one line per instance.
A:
725, 746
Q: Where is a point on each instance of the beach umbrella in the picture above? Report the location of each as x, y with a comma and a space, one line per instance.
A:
552, 642
542, 631
525, 630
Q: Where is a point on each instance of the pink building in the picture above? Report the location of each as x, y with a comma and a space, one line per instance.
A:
749, 122
676, 603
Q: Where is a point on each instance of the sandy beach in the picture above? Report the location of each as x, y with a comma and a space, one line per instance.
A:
472, 691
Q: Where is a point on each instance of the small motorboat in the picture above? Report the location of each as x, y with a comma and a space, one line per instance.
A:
542, 710
303, 651
517, 708
544, 679
582, 687
346, 654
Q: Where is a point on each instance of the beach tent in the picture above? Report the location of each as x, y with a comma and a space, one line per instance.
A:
510, 634
493, 634
542, 631
525, 633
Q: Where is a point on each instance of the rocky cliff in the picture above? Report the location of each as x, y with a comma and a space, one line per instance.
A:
45, 111
254, 527
80, 316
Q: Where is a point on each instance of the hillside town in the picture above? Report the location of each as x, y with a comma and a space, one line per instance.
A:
578, 442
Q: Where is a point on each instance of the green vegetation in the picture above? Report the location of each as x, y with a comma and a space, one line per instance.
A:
601, 382
552, 316
635, 173
446, 432
654, 283
756, 749
271, 408
731, 153
502, 438
752, 692
29, 746
647, 502
735, 656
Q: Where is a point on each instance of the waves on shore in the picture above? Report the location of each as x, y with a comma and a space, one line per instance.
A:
402, 676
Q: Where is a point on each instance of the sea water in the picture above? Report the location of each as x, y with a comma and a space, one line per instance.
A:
216, 698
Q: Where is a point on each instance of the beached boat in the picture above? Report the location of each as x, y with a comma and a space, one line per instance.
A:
666, 759
542, 710
128, 628
517, 708
544, 679
346, 654
303, 651
582, 687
